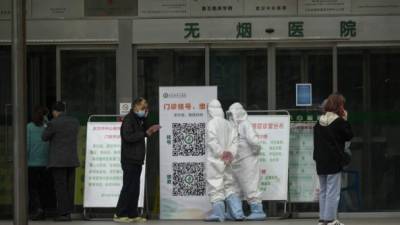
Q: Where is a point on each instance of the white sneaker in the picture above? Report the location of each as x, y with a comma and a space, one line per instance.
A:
122, 219
139, 220
335, 222
321, 223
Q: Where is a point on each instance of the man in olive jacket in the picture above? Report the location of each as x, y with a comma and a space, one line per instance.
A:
62, 133
133, 151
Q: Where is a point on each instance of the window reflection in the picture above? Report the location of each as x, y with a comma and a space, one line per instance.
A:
241, 76
88, 84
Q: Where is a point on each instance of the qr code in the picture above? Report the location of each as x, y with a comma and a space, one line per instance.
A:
188, 139
188, 179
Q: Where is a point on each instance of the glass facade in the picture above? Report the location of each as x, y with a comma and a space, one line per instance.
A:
88, 83
302, 66
6, 153
368, 78
241, 76
41, 69
178, 67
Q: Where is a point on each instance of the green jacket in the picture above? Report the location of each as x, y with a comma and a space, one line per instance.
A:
38, 150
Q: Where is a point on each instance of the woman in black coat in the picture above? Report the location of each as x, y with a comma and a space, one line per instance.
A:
330, 134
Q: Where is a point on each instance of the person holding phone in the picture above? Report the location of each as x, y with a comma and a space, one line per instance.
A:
134, 130
330, 134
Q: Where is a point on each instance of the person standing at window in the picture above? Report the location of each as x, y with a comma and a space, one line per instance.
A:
38, 151
62, 133
330, 134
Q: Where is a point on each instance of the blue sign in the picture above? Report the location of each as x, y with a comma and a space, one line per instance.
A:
303, 95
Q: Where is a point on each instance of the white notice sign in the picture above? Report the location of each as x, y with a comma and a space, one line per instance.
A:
103, 173
162, 8
303, 178
124, 108
273, 132
270, 7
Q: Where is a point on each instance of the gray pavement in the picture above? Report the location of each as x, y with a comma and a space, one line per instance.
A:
356, 221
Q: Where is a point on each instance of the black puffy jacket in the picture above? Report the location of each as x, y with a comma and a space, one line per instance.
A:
326, 152
133, 133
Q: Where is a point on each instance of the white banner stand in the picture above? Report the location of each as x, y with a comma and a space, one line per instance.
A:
103, 173
273, 129
183, 118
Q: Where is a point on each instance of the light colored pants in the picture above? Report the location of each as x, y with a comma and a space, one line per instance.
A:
220, 181
329, 196
247, 174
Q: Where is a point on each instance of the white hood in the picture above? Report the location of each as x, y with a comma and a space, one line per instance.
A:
238, 112
328, 118
215, 110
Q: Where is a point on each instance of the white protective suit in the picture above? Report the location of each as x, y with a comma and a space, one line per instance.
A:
220, 137
246, 164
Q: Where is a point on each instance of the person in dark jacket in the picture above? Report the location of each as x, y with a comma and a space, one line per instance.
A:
330, 134
62, 133
134, 130
38, 151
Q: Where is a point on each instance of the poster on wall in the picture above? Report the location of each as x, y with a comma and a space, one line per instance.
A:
103, 173
110, 8
57, 9
163, 8
273, 132
304, 94
303, 178
270, 7
324, 7
205, 8
380, 7
183, 118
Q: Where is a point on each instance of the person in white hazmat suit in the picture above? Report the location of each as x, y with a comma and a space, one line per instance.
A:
246, 163
221, 144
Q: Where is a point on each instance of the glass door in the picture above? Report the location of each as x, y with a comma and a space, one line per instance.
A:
302, 66
369, 79
6, 152
86, 83
241, 76
164, 67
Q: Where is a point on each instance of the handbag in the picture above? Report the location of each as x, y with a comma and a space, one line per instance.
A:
345, 156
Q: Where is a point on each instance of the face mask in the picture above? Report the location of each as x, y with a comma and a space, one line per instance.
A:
141, 114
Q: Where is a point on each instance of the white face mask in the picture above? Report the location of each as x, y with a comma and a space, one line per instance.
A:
141, 114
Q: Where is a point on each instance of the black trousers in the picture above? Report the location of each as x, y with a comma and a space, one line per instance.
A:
64, 184
128, 199
36, 182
